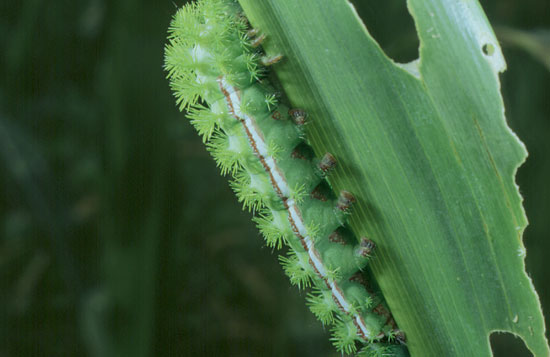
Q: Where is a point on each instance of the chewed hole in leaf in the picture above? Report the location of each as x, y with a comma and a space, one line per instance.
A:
507, 344
391, 25
488, 49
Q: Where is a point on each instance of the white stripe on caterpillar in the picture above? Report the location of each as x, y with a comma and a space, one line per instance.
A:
280, 185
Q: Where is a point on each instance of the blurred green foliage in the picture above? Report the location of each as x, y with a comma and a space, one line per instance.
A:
118, 237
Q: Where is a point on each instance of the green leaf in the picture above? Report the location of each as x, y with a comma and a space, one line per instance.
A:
427, 152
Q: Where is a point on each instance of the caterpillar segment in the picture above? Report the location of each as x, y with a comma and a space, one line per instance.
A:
214, 66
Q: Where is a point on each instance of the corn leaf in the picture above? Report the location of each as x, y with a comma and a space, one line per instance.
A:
426, 149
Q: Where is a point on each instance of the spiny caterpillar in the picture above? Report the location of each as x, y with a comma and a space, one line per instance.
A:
212, 56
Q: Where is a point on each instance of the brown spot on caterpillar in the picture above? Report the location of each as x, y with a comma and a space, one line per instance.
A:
276, 115
271, 60
302, 151
318, 194
360, 279
242, 18
390, 321
366, 246
327, 163
395, 334
298, 116
400, 336
381, 310
252, 33
298, 154
258, 40
337, 237
345, 200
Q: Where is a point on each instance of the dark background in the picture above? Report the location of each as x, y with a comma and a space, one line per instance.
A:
118, 237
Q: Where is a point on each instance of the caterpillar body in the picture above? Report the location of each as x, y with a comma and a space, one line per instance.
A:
212, 55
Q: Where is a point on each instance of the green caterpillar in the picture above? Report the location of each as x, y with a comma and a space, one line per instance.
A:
211, 56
